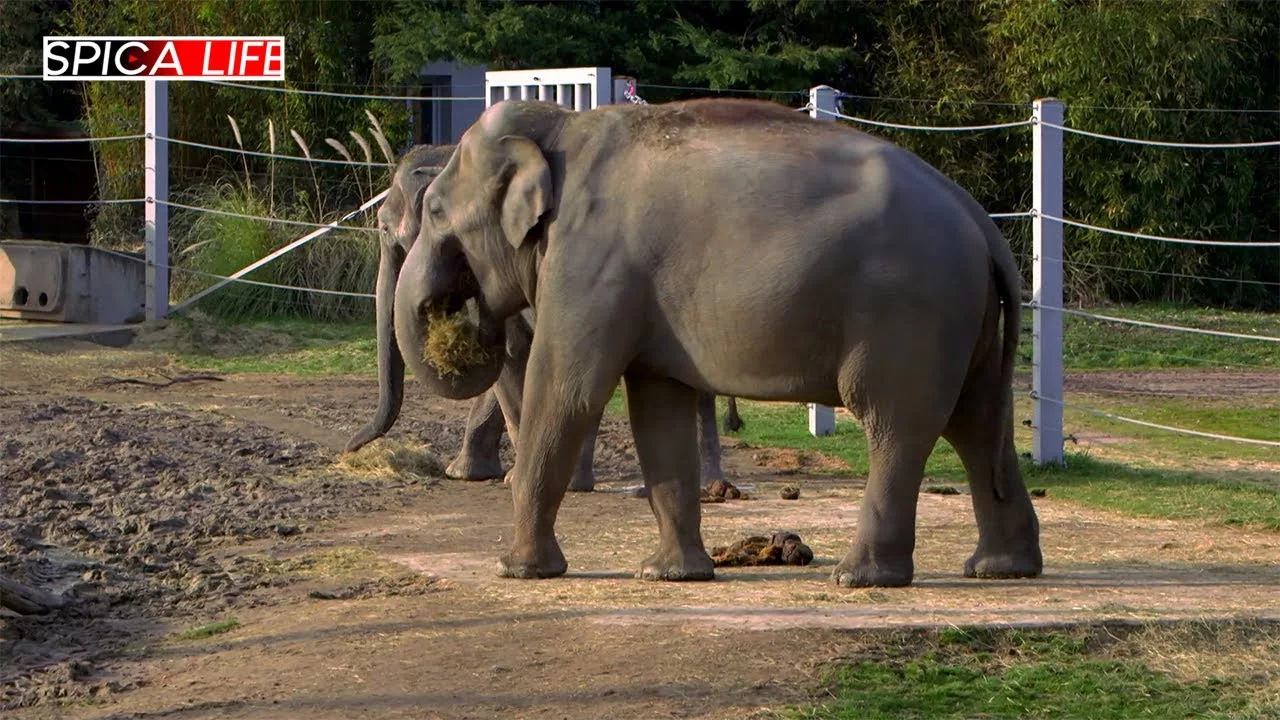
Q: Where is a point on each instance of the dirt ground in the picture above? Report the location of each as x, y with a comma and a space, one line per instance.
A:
353, 592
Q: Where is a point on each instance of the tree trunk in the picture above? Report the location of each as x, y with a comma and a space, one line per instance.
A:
27, 600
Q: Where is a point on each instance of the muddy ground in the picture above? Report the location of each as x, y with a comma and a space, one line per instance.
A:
359, 590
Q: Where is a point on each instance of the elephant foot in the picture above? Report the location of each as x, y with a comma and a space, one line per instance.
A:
583, 482
520, 564
677, 565
873, 574
1004, 565
467, 467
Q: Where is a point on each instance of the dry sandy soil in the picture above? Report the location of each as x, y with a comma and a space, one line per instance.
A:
374, 593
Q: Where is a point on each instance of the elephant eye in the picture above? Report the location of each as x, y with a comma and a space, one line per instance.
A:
435, 207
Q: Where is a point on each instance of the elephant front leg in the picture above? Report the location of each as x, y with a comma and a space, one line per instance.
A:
479, 458
662, 415
557, 415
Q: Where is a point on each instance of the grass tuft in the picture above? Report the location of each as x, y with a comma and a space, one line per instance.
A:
1096, 672
210, 630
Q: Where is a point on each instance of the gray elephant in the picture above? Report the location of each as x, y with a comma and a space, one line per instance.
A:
399, 221
731, 247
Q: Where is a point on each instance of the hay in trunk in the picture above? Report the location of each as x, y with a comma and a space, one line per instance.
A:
452, 344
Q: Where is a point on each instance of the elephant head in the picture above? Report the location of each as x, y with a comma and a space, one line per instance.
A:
398, 225
478, 240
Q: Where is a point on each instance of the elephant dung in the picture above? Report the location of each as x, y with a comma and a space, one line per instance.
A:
721, 490
782, 548
451, 344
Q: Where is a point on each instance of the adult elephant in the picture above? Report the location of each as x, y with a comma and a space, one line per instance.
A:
731, 247
399, 220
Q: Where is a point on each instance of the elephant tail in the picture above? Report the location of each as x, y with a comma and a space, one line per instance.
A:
1008, 286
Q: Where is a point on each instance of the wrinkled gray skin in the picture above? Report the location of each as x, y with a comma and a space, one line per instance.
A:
499, 407
865, 278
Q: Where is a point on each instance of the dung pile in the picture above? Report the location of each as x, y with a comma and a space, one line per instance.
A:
781, 548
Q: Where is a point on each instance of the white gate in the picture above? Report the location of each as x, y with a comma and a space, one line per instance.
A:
581, 88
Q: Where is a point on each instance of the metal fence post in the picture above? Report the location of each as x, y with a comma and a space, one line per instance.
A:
1046, 282
822, 419
156, 228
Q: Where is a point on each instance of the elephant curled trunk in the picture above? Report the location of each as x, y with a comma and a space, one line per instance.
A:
434, 287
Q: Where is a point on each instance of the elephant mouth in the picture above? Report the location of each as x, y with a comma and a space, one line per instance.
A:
450, 340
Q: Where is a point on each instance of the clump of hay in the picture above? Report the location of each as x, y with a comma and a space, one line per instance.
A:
383, 457
452, 344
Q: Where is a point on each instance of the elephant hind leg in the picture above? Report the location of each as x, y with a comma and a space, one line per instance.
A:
898, 390
709, 439
1008, 530
479, 459
584, 477
882, 553
732, 420
662, 419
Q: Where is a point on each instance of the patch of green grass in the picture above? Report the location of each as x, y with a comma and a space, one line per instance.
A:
1233, 418
1090, 344
290, 347
1147, 492
1158, 493
1080, 673
210, 630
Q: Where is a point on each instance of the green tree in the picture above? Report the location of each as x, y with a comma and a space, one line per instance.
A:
926, 62
720, 45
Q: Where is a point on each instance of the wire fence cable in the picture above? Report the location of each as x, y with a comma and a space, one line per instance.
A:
351, 96
1156, 238
1163, 143
1184, 431
256, 153
1159, 326
952, 128
22, 201
109, 138
286, 249
259, 283
281, 221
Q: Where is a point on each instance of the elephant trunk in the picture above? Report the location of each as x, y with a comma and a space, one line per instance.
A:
390, 363
436, 281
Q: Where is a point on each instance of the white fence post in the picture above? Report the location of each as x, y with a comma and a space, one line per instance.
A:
156, 228
1046, 282
822, 419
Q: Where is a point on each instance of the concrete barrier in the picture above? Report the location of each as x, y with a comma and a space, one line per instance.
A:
58, 282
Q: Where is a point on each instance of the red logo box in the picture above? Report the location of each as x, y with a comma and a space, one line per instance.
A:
163, 58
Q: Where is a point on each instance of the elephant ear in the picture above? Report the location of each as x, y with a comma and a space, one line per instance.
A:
528, 193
